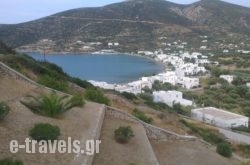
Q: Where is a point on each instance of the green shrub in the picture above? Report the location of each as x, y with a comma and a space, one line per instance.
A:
9, 161
123, 134
163, 86
160, 106
140, 115
129, 96
206, 134
241, 129
96, 96
181, 110
82, 83
4, 110
147, 97
45, 131
245, 163
53, 105
224, 149
53, 82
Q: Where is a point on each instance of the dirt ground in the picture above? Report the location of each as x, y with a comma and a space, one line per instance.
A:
112, 153
165, 120
77, 123
188, 153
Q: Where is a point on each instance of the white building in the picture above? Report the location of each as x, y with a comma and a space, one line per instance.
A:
168, 77
228, 78
135, 88
189, 69
225, 51
170, 98
110, 44
187, 82
203, 47
219, 118
116, 44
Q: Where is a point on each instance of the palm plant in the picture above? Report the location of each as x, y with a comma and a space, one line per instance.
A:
52, 105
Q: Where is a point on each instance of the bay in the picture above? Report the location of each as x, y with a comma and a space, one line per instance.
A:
110, 68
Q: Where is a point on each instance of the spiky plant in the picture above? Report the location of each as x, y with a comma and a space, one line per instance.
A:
52, 105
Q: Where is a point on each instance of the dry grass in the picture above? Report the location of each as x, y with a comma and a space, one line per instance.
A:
165, 120
188, 153
76, 123
137, 150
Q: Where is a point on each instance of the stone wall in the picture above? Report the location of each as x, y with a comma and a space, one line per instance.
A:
18, 76
94, 134
153, 132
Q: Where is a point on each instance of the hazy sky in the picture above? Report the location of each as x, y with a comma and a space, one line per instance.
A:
16, 11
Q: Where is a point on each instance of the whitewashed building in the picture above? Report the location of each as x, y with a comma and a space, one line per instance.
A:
189, 69
187, 82
219, 118
167, 77
170, 98
228, 78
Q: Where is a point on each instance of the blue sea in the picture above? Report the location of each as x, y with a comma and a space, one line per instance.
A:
110, 68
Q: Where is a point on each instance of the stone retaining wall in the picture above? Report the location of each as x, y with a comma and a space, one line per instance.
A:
95, 133
11, 72
153, 132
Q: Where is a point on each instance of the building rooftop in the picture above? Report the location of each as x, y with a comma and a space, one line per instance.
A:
219, 113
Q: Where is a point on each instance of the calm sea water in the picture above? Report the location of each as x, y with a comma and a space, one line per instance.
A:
118, 68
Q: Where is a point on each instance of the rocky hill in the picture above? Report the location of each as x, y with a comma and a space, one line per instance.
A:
134, 24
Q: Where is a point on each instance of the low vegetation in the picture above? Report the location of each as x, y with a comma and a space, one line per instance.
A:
245, 163
123, 134
157, 85
53, 82
224, 149
148, 100
243, 150
53, 105
209, 135
46, 73
129, 96
45, 131
82, 83
178, 108
141, 115
4, 110
241, 129
4, 49
96, 96
9, 161
225, 96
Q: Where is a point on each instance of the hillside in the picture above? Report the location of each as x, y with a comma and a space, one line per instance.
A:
134, 24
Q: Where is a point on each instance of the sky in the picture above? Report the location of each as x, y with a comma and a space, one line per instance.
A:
17, 11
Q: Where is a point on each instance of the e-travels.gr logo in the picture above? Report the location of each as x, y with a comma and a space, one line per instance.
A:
60, 146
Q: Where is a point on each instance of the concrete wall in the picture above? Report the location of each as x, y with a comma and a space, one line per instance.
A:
94, 134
